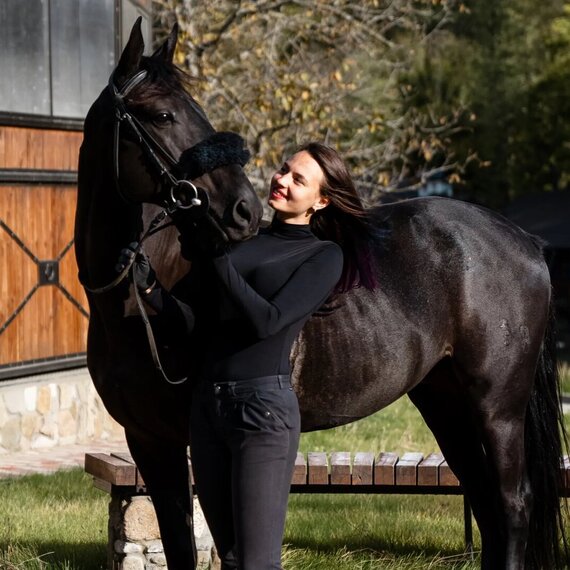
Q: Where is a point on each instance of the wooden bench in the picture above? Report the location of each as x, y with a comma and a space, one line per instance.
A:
319, 472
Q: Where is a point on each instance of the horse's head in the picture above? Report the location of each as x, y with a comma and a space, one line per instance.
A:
164, 149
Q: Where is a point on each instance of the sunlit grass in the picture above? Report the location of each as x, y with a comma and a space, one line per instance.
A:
52, 522
59, 522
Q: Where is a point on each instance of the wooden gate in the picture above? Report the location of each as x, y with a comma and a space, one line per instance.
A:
43, 312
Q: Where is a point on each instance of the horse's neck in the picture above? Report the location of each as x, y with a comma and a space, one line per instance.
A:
104, 225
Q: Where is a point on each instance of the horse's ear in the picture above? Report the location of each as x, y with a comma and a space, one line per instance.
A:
132, 54
166, 50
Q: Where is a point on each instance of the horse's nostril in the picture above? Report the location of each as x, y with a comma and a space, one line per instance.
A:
242, 211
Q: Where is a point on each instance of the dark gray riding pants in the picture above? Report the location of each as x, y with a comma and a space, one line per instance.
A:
244, 440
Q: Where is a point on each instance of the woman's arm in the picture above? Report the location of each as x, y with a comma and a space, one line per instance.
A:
173, 315
304, 292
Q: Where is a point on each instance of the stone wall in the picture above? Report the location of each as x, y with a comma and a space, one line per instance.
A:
53, 409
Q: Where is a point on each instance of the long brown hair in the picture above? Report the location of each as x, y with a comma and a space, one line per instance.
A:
344, 220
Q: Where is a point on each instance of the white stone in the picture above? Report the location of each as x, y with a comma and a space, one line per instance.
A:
43, 442
158, 559
200, 526
30, 395
14, 400
67, 396
4, 416
10, 433
154, 547
123, 547
133, 562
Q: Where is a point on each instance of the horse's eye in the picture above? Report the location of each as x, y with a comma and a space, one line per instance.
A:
163, 118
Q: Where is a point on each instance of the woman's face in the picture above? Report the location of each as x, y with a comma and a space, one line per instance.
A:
295, 189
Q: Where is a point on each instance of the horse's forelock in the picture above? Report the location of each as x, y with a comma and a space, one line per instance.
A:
163, 79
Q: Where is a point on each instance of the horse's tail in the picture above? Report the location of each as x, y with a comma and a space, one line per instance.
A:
545, 438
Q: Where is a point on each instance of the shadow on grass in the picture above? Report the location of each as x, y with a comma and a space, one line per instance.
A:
372, 544
53, 556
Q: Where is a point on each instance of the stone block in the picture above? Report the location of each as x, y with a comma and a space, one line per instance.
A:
30, 397
11, 433
133, 562
31, 423
140, 520
154, 546
123, 547
43, 404
67, 396
4, 415
67, 425
43, 442
158, 559
15, 401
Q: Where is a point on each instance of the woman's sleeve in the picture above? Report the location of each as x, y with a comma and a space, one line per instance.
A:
173, 316
304, 292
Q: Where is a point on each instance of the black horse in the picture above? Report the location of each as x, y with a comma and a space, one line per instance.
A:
461, 322
123, 161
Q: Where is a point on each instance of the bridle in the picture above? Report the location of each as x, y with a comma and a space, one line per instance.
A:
180, 193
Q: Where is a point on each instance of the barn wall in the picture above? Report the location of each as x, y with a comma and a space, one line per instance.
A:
44, 313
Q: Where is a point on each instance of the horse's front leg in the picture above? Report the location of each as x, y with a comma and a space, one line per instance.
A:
164, 467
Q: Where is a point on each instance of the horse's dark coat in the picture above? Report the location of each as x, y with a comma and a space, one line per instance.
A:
459, 322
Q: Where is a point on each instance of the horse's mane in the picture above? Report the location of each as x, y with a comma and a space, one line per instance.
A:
163, 79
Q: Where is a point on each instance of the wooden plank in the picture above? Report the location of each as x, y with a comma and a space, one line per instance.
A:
300, 470
43, 149
340, 468
110, 469
407, 468
384, 468
317, 468
102, 485
428, 469
124, 455
446, 476
363, 468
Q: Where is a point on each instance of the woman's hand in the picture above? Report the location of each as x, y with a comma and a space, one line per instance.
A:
144, 276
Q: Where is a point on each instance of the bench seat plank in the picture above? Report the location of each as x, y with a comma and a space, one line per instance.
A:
111, 469
317, 468
447, 477
363, 468
340, 468
428, 469
385, 468
407, 468
300, 470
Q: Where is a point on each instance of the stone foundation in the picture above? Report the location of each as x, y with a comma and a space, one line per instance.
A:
134, 537
46, 410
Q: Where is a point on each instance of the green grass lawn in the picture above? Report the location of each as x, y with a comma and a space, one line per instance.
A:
565, 377
60, 521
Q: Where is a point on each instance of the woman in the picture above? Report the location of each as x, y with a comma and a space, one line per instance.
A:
245, 420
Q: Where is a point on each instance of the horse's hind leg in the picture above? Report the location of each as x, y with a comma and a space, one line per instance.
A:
499, 394
164, 468
448, 413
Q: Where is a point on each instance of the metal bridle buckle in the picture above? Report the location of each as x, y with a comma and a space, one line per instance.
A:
187, 195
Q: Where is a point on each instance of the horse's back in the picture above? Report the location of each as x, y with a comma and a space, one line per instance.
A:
454, 280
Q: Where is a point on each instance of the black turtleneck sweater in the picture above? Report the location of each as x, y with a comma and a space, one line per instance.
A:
268, 287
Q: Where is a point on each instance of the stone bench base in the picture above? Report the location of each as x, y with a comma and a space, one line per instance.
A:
134, 537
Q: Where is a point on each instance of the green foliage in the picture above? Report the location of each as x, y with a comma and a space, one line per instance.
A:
475, 89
